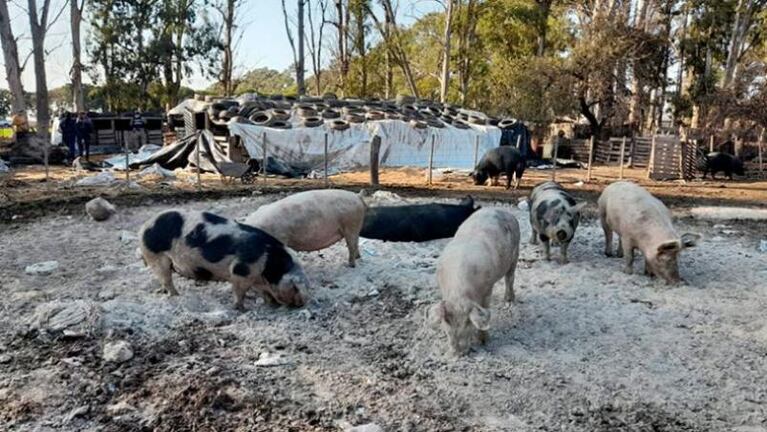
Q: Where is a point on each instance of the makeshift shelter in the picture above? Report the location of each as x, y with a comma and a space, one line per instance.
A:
183, 154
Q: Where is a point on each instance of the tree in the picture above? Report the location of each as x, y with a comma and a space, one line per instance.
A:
76, 73
13, 68
316, 41
6, 103
393, 41
298, 54
445, 73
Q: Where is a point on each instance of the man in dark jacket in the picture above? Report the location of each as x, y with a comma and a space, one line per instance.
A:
68, 130
137, 130
84, 129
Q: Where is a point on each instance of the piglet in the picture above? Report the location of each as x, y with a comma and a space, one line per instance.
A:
204, 246
484, 250
644, 223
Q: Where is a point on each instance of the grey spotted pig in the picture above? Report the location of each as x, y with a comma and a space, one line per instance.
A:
554, 216
205, 246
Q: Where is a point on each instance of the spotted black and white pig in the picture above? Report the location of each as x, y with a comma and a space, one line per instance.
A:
313, 220
554, 216
205, 246
500, 160
416, 223
484, 250
721, 162
644, 223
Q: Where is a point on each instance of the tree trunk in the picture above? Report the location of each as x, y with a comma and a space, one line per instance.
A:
300, 64
544, 8
734, 44
228, 60
466, 41
634, 120
38, 30
359, 42
388, 59
343, 59
75, 18
445, 75
11, 56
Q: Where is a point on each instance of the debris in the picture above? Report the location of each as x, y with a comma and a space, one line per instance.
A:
41, 268
120, 408
101, 179
763, 246
522, 204
157, 170
57, 316
272, 359
370, 427
78, 412
373, 293
4, 168
99, 209
382, 195
117, 352
127, 237
5, 358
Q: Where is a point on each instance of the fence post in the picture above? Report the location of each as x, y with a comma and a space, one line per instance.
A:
623, 152
264, 150
199, 168
375, 148
45, 160
761, 152
326, 159
554, 166
476, 150
711, 144
431, 158
591, 157
127, 168
651, 162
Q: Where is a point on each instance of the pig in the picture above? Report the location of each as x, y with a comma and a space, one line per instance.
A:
500, 160
205, 246
644, 223
554, 216
484, 250
313, 220
416, 223
717, 161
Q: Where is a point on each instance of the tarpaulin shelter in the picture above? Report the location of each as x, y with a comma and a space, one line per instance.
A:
183, 154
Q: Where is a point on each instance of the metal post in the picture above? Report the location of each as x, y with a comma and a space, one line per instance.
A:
266, 155
45, 160
326, 159
431, 157
623, 152
651, 162
199, 169
554, 159
591, 157
476, 150
711, 145
375, 148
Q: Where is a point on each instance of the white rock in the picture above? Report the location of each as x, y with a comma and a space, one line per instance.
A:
78, 412
5, 358
370, 427
272, 359
117, 352
127, 236
44, 267
120, 408
99, 209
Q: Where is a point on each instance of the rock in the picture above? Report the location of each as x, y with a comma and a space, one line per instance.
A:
101, 179
117, 352
78, 412
5, 358
99, 209
41, 268
370, 427
120, 408
127, 237
272, 359
373, 293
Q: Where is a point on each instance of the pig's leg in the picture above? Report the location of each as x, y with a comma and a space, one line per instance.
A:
628, 256
547, 249
619, 254
517, 181
608, 238
352, 243
508, 181
508, 295
239, 288
483, 335
533, 235
162, 267
563, 252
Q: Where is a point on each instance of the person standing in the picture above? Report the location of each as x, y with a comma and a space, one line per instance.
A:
137, 128
68, 130
84, 130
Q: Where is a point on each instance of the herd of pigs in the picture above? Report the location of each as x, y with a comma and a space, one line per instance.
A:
258, 254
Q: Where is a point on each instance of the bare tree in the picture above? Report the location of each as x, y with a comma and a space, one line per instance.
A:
13, 68
315, 42
445, 74
76, 73
393, 43
39, 26
465, 42
342, 39
298, 55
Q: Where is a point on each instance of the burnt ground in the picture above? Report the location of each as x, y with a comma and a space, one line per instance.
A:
586, 348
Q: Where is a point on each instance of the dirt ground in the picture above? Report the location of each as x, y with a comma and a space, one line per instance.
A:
585, 348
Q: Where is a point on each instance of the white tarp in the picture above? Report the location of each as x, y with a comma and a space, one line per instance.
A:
401, 144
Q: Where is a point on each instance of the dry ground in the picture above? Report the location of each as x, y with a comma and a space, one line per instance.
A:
586, 348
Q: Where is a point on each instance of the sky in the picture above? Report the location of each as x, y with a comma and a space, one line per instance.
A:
263, 44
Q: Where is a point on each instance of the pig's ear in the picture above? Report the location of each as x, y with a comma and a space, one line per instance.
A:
690, 239
578, 207
480, 317
669, 246
437, 314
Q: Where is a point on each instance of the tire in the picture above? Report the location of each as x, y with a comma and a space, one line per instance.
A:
280, 124
460, 124
280, 114
375, 115
435, 123
339, 125
418, 124
354, 118
261, 118
331, 114
312, 122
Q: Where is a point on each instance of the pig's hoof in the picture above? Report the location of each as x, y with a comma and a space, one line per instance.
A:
608, 254
628, 270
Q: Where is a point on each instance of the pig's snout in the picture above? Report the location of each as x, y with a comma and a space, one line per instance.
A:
562, 235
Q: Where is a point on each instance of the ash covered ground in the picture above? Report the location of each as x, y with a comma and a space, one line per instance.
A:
585, 348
